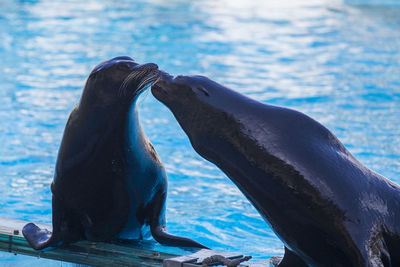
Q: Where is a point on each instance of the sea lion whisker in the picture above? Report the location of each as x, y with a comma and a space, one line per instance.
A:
129, 78
146, 81
125, 83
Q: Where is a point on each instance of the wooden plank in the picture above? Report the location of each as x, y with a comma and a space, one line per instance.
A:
83, 252
128, 253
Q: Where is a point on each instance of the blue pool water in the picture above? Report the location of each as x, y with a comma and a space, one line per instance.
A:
336, 62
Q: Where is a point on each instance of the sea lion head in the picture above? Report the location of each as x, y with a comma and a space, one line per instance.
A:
119, 80
202, 107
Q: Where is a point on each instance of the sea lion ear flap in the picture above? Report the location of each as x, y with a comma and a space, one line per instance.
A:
203, 90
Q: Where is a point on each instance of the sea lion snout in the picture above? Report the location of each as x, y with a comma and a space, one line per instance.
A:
164, 78
161, 86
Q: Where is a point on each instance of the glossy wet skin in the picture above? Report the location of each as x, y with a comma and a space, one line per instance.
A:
326, 207
122, 79
109, 182
91, 163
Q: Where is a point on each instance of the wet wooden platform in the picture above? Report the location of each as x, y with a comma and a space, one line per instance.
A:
130, 253
84, 252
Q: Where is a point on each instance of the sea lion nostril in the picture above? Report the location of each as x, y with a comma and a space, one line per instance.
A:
163, 78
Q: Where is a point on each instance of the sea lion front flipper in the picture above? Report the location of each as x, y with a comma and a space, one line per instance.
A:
159, 232
64, 229
290, 259
38, 238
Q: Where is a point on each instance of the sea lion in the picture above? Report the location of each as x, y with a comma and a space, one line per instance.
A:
326, 207
109, 182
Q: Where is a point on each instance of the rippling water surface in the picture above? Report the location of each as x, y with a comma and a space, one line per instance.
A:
338, 63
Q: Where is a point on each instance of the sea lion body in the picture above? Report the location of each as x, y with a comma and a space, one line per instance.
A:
109, 182
326, 207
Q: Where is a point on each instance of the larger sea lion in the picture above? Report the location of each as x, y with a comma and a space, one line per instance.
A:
109, 182
326, 207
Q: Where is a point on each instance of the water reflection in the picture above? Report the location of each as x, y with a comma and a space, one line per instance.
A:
335, 62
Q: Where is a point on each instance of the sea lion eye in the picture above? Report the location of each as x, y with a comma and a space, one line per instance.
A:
204, 91
93, 75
